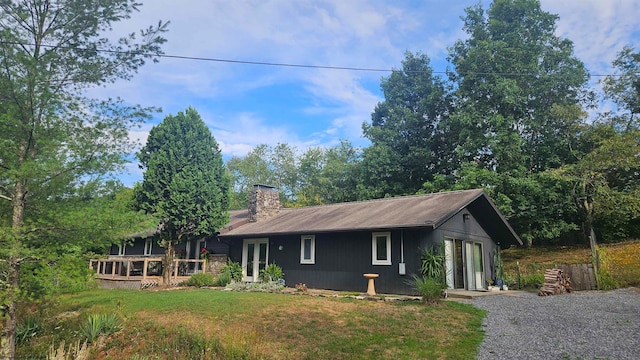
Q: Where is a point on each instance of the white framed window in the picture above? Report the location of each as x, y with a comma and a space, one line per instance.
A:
148, 244
121, 249
308, 249
381, 248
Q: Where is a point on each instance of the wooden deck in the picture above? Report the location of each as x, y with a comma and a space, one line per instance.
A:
145, 270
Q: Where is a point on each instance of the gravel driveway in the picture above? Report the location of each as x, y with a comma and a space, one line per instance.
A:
582, 325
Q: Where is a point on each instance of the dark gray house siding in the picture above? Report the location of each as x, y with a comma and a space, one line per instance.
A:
341, 258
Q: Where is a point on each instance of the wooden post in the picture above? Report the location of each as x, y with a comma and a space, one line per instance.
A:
175, 269
144, 269
595, 256
113, 269
128, 269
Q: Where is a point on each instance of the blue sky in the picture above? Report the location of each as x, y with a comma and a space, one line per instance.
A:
247, 105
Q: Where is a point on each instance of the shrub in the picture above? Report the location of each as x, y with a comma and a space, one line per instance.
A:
233, 269
531, 281
200, 280
223, 279
606, 281
429, 289
100, 324
272, 272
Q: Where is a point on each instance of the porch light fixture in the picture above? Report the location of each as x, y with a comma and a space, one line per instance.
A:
465, 217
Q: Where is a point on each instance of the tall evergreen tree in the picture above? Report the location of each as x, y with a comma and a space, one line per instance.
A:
185, 184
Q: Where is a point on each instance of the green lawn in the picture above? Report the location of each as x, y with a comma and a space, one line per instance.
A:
214, 324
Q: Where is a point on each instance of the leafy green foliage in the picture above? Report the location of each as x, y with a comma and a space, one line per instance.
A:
515, 123
233, 270
406, 146
57, 272
271, 165
53, 139
224, 279
624, 89
185, 184
271, 272
329, 175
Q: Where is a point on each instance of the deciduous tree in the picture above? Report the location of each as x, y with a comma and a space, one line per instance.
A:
624, 88
51, 135
519, 89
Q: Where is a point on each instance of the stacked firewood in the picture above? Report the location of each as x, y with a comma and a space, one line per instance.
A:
555, 282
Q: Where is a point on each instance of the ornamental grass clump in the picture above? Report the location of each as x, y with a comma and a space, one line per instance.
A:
28, 328
100, 324
432, 280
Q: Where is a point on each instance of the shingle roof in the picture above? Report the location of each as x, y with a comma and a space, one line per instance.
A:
419, 211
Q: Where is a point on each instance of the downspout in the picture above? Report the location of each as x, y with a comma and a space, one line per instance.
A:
402, 270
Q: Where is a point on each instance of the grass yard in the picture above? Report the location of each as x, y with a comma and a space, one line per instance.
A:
213, 324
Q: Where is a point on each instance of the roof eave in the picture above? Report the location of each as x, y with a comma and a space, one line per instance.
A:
426, 226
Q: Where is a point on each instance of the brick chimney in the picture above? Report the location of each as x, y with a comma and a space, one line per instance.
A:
264, 202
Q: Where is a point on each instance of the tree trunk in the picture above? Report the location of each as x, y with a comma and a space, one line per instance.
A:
8, 337
8, 334
167, 264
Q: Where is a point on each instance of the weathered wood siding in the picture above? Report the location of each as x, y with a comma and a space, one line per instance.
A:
582, 276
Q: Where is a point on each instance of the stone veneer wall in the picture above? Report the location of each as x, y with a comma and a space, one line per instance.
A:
215, 263
264, 202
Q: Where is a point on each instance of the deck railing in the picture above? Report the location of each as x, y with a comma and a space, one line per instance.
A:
143, 267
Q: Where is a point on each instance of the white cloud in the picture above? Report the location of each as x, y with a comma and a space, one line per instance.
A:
354, 33
237, 134
599, 29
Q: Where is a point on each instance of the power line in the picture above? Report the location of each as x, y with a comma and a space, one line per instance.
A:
293, 65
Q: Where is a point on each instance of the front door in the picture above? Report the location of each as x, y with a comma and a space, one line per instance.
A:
255, 254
